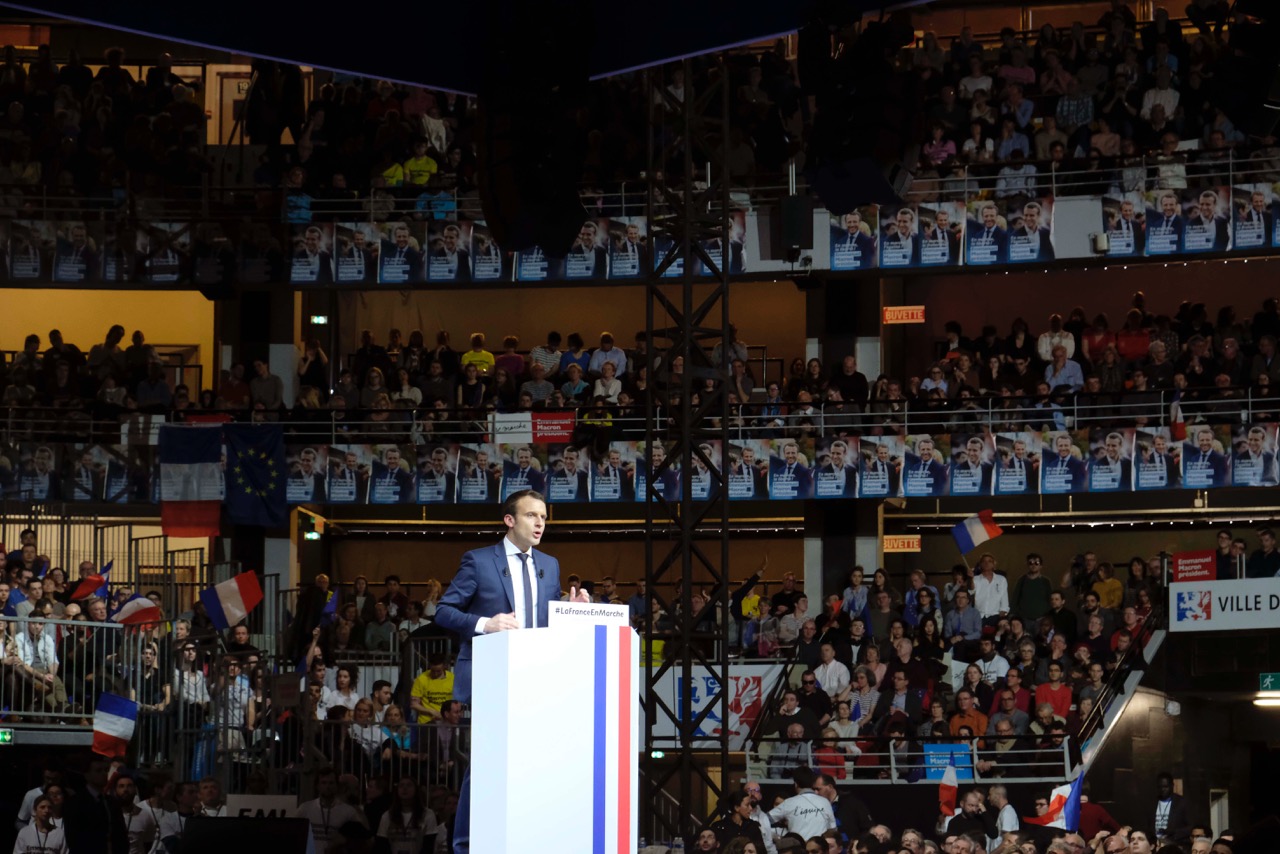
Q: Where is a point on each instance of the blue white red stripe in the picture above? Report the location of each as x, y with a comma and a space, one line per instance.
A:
137, 610
94, 585
976, 530
231, 601
192, 484
1064, 807
947, 790
614, 762
113, 723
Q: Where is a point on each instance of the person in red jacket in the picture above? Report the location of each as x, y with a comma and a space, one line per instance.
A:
1094, 817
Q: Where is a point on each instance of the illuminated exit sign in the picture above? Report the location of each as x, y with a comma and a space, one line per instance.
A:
6, 737
903, 314
904, 543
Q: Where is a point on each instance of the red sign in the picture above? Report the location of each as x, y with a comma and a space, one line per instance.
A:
553, 426
903, 314
1195, 566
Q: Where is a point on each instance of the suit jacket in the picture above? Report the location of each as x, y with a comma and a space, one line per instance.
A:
668, 484
481, 589
890, 246
975, 232
850, 480
88, 257
1221, 231
317, 485
953, 243
914, 709
983, 476
935, 470
1045, 249
1139, 236
325, 272
1266, 473
1216, 462
626, 487
94, 825
402, 478
642, 255
801, 472
533, 478
865, 244
412, 259
450, 482
562, 477
75, 492
600, 264
1126, 476
894, 472
1156, 222
1029, 471
1075, 469
463, 273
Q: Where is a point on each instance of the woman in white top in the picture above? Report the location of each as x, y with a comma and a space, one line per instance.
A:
192, 689
41, 837
608, 386
409, 827
345, 694
846, 728
365, 731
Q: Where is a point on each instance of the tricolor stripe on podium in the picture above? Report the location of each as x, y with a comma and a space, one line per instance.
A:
614, 757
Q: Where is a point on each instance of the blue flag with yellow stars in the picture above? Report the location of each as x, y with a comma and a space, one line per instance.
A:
256, 474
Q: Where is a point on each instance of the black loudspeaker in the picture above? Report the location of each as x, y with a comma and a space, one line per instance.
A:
220, 835
530, 149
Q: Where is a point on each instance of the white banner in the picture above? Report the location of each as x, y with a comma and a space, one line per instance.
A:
1224, 606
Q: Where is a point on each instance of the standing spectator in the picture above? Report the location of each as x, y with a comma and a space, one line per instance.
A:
266, 388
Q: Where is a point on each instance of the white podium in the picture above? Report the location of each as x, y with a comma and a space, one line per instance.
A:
555, 735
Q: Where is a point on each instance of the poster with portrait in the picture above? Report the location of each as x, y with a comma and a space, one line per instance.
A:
1155, 460
448, 252
307, 467
1030, 230
736, 223
1207, 220
1016, 461
647, 461
1253, 218
925, 471
261, 255
629, 255
1206, 457
437, 477
75, 252
400, 259
569, 474
941, 226
705, 479
355, 251
613, 474
31, 243
162, 252
213, 254
836, 467
853, 239
311, 254
524, 466
972, 463
535, 265
1253, 456
1063, 469
665, 245
1111, 455
791, 469
488, 262
479, 473
85, 475
116, 259
348, 473
899, 236
391, 474
588, 258
37, 476
986, 234
1124, 220
747, 466
1165, 222
880, 466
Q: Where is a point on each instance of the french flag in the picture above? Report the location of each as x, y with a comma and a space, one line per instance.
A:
192, 485
975, 531
615, 819
231, 601
1064, 807
113, 723
137, 610
947, 791
93, 585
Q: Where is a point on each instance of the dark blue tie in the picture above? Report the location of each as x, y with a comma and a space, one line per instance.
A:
529, 622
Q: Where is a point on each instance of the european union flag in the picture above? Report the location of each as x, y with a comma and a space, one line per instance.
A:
256, 474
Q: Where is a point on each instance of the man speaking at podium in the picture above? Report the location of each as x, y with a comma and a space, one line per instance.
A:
497, 589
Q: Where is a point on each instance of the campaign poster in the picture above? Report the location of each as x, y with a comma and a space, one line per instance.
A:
613, 474
925, 470
664, 245
629, 255
1253, 456
880, 466
479, 472
391, 474
569, 478
941, 226
1062, 462
524, 466
75, 253
1206, 460
650, 459
747, 465
1155, 457
705, 479
86, 472
1017, 460
736, 225
307, 466
899, 236
488, 261
535, 265
836, 474
355, 252
162, 251
31, 244
1164, 222
311, 254
1030, 235
986, 235
1207, 223
37, 476
348, 473
448, 253
261, 254
1253, 219
115, 259
213, 255
853, 239
588, 258
972, 463
400, 253
791, 469
1111, 454
1124, 221
437, 473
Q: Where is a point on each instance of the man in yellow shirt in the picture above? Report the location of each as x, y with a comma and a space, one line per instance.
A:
478, 355
420, 168
432, 687
1109, 589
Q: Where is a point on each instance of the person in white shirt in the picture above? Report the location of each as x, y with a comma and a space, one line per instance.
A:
211, 803
409, 827
1006, 816
345, 694
832, 675
50, 776
993, 665
140, 824
806, 812
326, 812
161, 785
990, 591
39, 657
41, 837
174, 824
761, 817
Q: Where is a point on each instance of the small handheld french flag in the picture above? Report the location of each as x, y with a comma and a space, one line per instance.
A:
975, 531
137, 610
113, 723
1064, 807
93, 585
231, 601
947, 790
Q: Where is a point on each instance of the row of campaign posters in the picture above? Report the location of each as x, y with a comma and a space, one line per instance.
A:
396, 253
897, 465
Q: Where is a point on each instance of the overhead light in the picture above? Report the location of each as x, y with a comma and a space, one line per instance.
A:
1268, 702
319, 320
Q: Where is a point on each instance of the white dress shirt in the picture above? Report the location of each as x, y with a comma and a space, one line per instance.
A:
517, 586
833, 677
990, 597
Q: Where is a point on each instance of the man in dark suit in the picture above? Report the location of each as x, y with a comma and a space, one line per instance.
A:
74, 260
1205, 219
1018, 470
356, 260
390, 482
838, 477
305, 480
399, 260
93, 821
479, 481
496, 589
790, 469
86, 480
972, 475
1166, 223
851, 248
1031, 232
881, 469
310, 262
1111, 472
1253, 464
38, 482
1172, 817
1127, 231
630, 253
923, 475
668, 483
435, 481
451, 256
1202, 466
1064, 469
751, 468
1255, 224
519, 474
587, 259
569, 482
988, 240
613, 481
1156, 458
898, 701
940, 231
901, 248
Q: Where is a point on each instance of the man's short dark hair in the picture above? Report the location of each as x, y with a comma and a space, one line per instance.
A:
1267, 532
824, 779
380, 684
802, 777
447, 705
513, 500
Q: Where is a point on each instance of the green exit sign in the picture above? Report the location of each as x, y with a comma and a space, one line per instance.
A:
6, 737
1269, 681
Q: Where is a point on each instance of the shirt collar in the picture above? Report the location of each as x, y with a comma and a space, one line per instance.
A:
511, 549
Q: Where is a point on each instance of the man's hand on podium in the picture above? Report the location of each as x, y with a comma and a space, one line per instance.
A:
577, 594
501, 623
